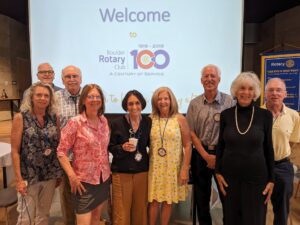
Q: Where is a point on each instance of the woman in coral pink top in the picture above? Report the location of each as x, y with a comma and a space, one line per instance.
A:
87, 137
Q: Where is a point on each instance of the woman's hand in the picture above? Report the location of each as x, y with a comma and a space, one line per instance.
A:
222, 183
211, 161
268, 191
76, 185
128, 147
184, 176
22, 187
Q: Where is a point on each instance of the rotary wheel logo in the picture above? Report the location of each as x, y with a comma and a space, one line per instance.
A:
290, 63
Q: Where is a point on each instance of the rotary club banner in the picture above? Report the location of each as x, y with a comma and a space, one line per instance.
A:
286, 66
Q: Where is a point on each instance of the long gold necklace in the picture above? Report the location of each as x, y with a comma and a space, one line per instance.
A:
237, 124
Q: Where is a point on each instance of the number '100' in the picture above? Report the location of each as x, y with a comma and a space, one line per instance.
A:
147, 64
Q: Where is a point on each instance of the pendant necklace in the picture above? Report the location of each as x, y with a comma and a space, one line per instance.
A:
137, 156
162, 151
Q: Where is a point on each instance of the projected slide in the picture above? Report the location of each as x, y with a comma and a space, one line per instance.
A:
143, 45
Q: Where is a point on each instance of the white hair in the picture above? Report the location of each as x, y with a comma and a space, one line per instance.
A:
248, 78
277, 79
212, 66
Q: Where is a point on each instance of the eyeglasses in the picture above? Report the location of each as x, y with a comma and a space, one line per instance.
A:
46, 72
276, 90
69, 76
92, 97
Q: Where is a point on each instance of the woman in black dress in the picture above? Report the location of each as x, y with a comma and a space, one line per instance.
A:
245, 157
130, 164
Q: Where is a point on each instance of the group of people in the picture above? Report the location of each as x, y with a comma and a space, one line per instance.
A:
62, 138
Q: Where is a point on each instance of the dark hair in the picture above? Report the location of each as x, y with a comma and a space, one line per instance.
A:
137, 94
86, 89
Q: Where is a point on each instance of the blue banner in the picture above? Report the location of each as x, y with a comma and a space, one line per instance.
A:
286, 66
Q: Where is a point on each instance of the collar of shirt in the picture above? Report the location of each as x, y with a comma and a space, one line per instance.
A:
67, 94
216, 100
283, 111
84, 119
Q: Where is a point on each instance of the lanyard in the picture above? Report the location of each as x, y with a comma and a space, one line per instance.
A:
163, 134
133, 134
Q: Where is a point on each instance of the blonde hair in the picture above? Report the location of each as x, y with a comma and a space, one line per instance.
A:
27, 103
173, 101
249, 78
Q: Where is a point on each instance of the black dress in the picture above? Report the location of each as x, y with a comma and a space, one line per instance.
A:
246, 162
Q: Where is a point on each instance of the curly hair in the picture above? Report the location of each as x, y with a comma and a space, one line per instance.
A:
27, 103
248, 78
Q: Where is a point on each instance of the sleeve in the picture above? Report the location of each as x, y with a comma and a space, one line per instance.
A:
189, 116
295, 136
116, 140
149, 130
268, 145
67, 138
221, 144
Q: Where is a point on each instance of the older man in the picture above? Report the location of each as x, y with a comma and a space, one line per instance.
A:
46, 75
285, 131
68, 99
203, 116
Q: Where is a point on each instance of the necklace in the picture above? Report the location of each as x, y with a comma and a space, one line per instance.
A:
237, 125
162, 151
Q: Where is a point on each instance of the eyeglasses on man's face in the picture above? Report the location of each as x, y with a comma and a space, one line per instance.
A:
70, 76
46, 72
275, 90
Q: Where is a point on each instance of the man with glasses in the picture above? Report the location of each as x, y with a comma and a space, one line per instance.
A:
285, 132
68, 99
203, 116
45, 75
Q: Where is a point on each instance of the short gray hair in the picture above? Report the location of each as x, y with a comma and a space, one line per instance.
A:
213, 66
73, 67
273, 79
27, 104
246, 77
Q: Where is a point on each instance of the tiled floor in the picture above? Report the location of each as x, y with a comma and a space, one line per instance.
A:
181, 212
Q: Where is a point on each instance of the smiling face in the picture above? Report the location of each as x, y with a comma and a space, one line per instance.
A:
134, 106
245, 94
163, 103
45, 73
210, 79
41, 98
93, 101
275, 92
71, 77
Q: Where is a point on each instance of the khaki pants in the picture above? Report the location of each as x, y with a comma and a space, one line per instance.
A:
34, 207
129, 198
